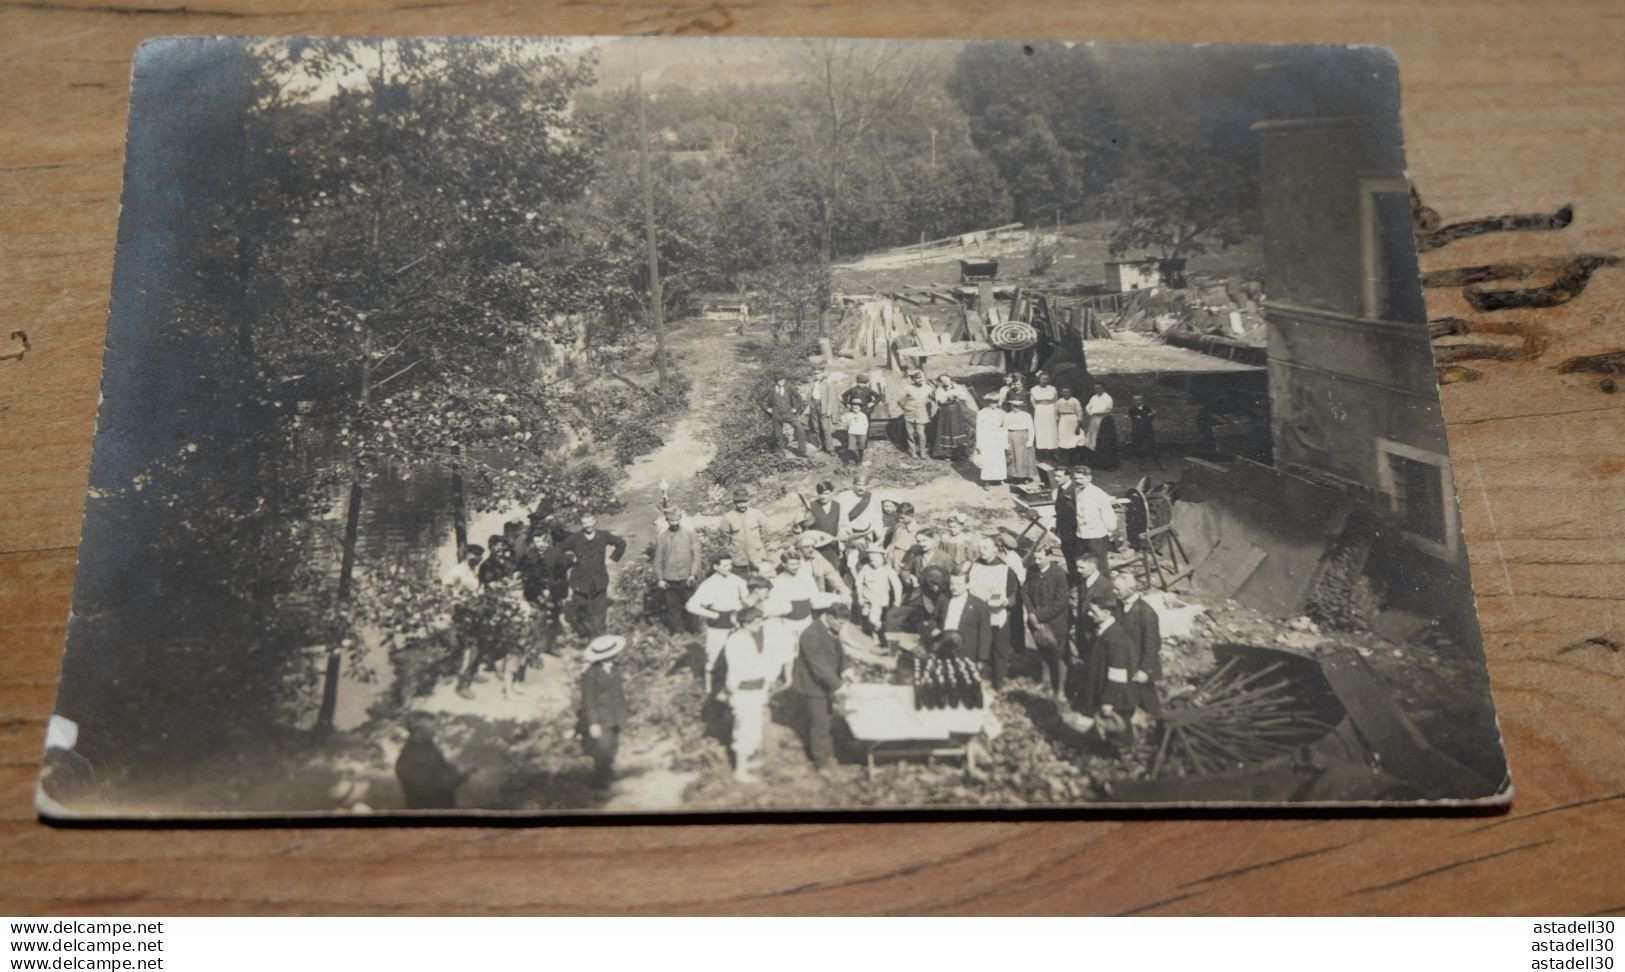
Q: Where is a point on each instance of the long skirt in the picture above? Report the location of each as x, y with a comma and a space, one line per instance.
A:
1023, 463
1046, 425
954, 429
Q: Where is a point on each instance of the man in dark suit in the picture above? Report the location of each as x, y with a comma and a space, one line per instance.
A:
1048, 598
784, 406
1140, 621
603, 706
589, 575
1066, 518
817, 674
960, 610
1088, 675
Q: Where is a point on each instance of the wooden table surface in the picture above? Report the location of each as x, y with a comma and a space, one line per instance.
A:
1509, 108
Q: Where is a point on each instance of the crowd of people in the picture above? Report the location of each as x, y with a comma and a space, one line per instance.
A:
776, 606
1005, 436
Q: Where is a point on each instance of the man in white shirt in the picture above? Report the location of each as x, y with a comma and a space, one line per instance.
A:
1097, 518
716, 601
861, 511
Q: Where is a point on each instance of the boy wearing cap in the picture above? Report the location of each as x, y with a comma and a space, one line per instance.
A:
603, 706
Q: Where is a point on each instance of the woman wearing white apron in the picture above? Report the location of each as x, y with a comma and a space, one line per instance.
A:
991, 442
1045, 418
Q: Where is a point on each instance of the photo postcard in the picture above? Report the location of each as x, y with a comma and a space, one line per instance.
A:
631, 426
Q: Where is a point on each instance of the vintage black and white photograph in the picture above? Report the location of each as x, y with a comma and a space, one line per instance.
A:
665, 425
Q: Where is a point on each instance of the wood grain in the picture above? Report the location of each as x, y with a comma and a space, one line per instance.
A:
1509, 108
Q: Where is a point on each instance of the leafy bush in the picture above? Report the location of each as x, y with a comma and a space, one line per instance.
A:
746, 449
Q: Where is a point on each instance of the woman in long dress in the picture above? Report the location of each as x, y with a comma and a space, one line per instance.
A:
1101, 437
1018, 425
956, 419
1045, 427
991, 443
1068, 425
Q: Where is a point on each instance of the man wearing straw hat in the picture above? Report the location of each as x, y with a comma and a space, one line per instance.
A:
603, 706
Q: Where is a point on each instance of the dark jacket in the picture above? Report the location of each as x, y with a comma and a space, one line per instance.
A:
783, 407
429, 781
588, 574
862, 396
603, 700
975, 626
1066, 514
1118, 650
1141, 621
817, 672
1048, 597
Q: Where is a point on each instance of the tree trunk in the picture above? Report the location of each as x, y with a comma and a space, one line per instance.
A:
656, 301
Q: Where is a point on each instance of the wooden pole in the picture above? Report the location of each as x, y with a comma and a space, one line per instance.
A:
656, 300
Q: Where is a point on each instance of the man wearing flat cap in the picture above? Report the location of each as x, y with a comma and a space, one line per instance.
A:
917, 407
603, 706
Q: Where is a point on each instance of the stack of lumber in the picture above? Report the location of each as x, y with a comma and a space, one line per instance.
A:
878, 328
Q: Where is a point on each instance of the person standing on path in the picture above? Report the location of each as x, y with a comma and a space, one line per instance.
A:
992, 445
1048, 597
956, 419
603, 706
826, 516
878, 587
1144, 628
1066, 518
917, 408
861, 509
1018, 425
1068, 426
820, 661
993, 581
717, 600
824, 411
744, 528
784, 407
590, 550
748, 671
1097, 517
677, 566
959, 611
428, 780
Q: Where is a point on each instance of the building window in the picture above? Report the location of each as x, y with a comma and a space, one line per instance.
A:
1388, 252
1422, 494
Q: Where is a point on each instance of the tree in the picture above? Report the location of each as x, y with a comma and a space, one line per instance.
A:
1043, 116
854, 88
1180, 196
